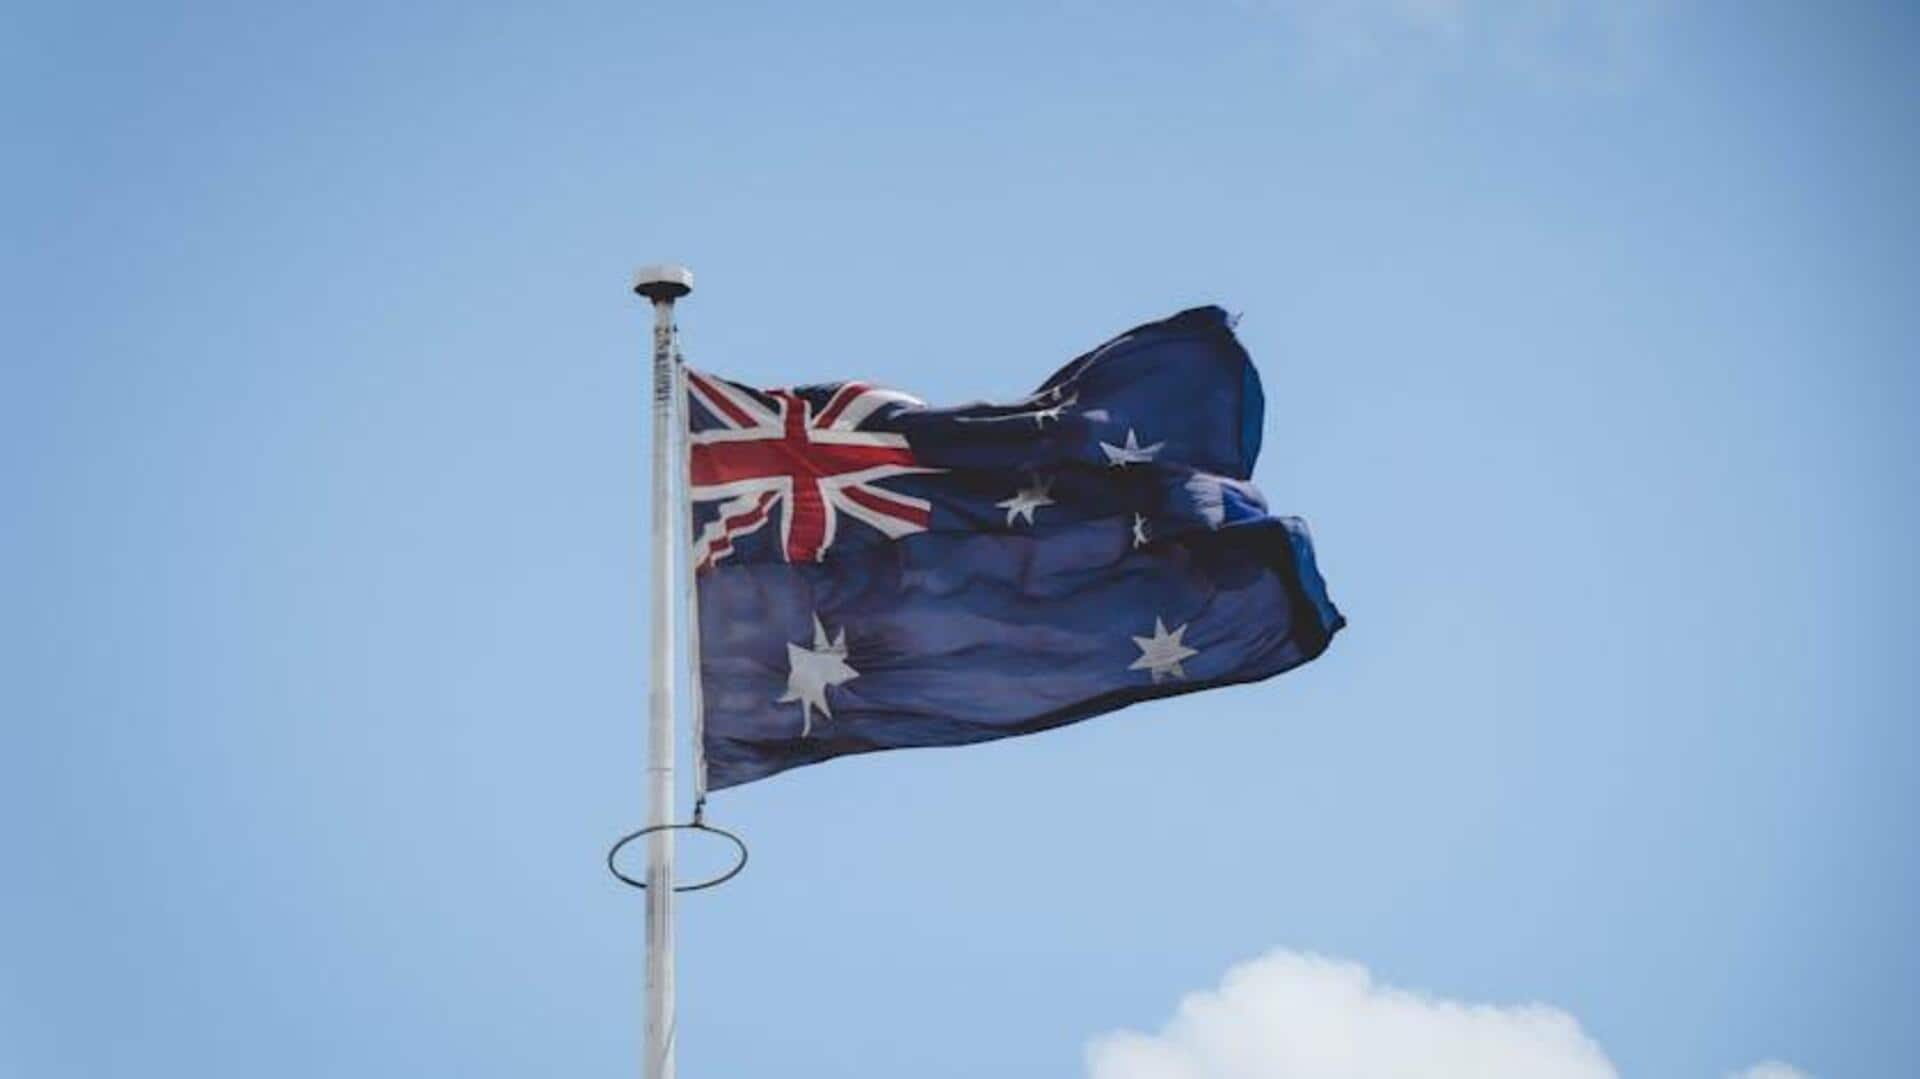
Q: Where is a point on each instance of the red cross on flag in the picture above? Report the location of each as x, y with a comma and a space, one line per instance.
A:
778, 456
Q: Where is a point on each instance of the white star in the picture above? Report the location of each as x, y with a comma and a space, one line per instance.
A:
1161, 653
1131, 453
1041, 416
1028, 499
811, 670
1139, 531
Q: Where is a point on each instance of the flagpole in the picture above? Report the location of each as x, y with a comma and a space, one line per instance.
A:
662, 285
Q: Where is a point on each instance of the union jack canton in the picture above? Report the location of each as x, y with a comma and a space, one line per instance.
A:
805, 456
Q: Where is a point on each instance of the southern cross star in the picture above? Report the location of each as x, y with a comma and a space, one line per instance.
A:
1160, 654
1139, 530
1052, 412
811, 670
1027, 499
1129, 453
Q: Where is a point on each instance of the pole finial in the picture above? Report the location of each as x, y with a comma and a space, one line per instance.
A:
665, 281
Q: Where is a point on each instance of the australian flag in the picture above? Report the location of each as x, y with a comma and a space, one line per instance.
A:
874, 573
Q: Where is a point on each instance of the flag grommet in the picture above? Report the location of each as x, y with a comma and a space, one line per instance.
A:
697, 825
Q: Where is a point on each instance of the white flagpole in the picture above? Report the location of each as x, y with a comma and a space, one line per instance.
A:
662, 285
696, 692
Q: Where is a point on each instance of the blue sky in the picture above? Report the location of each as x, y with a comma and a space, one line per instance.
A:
1588, 335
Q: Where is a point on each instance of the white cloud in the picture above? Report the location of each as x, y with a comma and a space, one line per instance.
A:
1295, 1016
1770, 1069
1584, 45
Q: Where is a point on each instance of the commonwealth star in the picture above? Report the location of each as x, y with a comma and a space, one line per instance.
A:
811, 670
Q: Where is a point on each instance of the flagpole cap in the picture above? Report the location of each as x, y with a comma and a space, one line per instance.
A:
664, 281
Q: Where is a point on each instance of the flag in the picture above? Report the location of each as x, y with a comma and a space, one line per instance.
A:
875, 573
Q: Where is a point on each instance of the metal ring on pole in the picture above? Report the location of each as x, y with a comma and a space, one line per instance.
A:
697, 825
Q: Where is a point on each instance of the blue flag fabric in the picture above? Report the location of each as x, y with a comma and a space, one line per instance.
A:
875, 574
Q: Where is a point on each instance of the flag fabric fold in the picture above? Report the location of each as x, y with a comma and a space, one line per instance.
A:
874, 573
